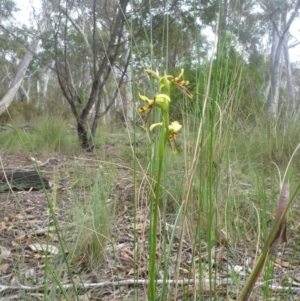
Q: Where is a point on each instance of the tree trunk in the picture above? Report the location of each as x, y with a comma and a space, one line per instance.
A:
47, 74
275, 61
23, 180
290, 86
129, 103
289, 81
129, 96
100, 73
104, 70
99, 101
104, 103
281, 32
15, 85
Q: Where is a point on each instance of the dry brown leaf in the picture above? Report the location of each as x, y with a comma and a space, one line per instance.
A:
281, 234
44, 248
3, 225
44, 230
297, 277
220, 255
4, 268
140, 228
4, 253
125, 257
30, 274
285, 264
19, 216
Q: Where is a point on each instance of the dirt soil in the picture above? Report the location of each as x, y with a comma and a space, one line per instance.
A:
31, 259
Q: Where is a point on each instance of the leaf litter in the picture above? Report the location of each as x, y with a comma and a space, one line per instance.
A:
28, 242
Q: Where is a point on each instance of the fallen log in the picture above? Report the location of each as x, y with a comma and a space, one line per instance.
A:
23, 180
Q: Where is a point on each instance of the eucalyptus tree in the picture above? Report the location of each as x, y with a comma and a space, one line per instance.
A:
88, 46
168, 34
281, 14
7, 8
260, 29
253, 24
93, 43
16, 81
9, 48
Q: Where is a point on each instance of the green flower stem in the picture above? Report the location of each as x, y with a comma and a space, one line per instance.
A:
162, 102
155, 206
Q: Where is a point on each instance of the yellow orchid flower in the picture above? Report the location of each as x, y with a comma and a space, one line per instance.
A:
181, 84
174, 128
150, 102
166, 80
159, 98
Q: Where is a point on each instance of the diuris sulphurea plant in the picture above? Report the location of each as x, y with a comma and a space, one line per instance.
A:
169, 130
162, 101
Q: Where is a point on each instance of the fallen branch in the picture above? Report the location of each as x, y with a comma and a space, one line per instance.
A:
205, 283
4, 288
22, 180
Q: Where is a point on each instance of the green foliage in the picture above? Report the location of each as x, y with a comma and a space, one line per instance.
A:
92, 220
224, 178
263, 145
16, 139
226, 83
21, 112
45, 134
7, 8
54, 133
55, 107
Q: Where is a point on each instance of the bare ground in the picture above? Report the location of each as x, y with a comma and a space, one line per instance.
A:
31, 255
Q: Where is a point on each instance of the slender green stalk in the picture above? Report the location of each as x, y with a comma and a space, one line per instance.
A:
155, 207
153, 229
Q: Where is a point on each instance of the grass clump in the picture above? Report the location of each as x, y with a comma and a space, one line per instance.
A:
92, 221
22, 111
47, 134
53, 133
15, 139
264, 143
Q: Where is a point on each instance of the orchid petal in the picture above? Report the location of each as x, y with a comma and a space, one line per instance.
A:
143, 109
155, 125
146, 99
175, 126
162, 98
180, 75
154, 74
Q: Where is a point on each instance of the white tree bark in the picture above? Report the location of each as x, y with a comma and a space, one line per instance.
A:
129, 101
38, 90
281, 32
289, 80
274, 89
129, 96
26, 94
47, 74
16, 83
128, 105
